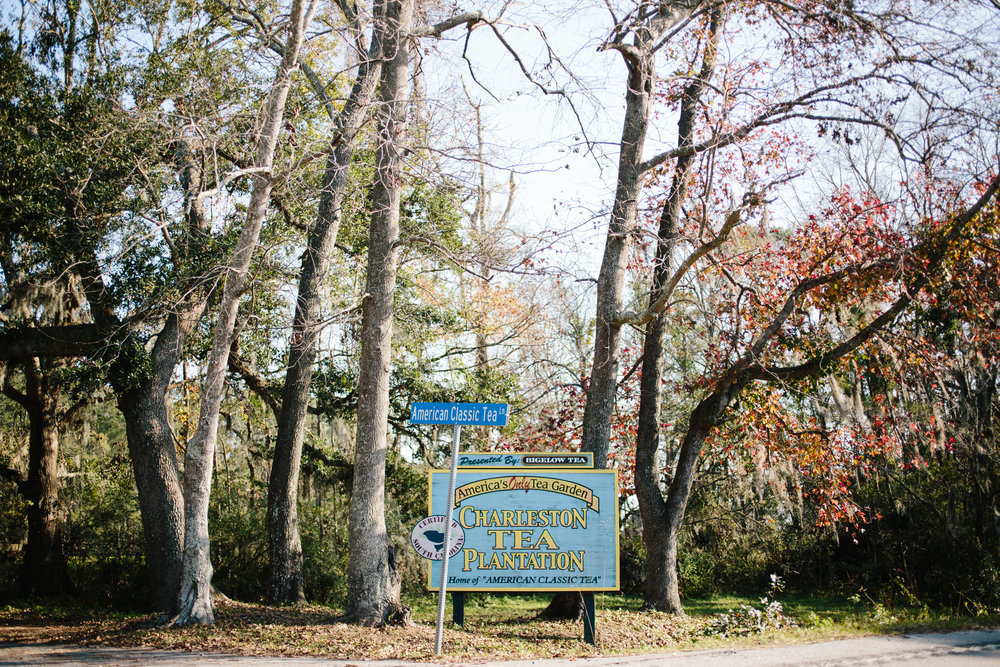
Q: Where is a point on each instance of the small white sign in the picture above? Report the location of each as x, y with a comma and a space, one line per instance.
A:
427, 537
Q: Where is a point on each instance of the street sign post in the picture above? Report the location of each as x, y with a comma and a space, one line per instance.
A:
457, 414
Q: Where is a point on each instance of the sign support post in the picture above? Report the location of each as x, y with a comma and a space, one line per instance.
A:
589, 619
458, 609
439, 634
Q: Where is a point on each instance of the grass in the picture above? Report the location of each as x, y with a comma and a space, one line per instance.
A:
497, 628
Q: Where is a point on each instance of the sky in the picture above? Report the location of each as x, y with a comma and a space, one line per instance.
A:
562, 184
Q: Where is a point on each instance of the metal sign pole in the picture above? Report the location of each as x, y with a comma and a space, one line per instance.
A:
439, 636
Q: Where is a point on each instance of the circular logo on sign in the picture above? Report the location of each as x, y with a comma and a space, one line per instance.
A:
427, 537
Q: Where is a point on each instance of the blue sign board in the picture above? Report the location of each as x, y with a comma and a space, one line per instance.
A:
464, 414
530, 529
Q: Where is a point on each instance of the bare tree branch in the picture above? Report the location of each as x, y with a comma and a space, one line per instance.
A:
470, 19
426, 240
254, 380
657, 306
76, 340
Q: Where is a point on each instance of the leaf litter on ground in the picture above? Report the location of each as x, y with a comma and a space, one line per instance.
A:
493, 631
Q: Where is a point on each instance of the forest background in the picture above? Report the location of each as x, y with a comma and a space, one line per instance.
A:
239, 239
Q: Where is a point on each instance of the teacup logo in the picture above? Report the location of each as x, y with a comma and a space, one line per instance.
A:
427, 537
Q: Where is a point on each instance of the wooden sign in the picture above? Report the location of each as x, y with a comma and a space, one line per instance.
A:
528, 528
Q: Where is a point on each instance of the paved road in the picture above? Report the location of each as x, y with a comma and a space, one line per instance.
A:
976, 648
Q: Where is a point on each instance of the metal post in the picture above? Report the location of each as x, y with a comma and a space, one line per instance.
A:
449, 500
458, 608
589, 620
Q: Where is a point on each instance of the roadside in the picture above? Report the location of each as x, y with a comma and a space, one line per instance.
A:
968, 648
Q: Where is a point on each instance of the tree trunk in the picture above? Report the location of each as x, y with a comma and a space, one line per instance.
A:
44, 565
647, 473
154, 457
285, 580
161, 505
600, 407
704, 417
373, 580
566, 606
659, 528
652, 509
194, 596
